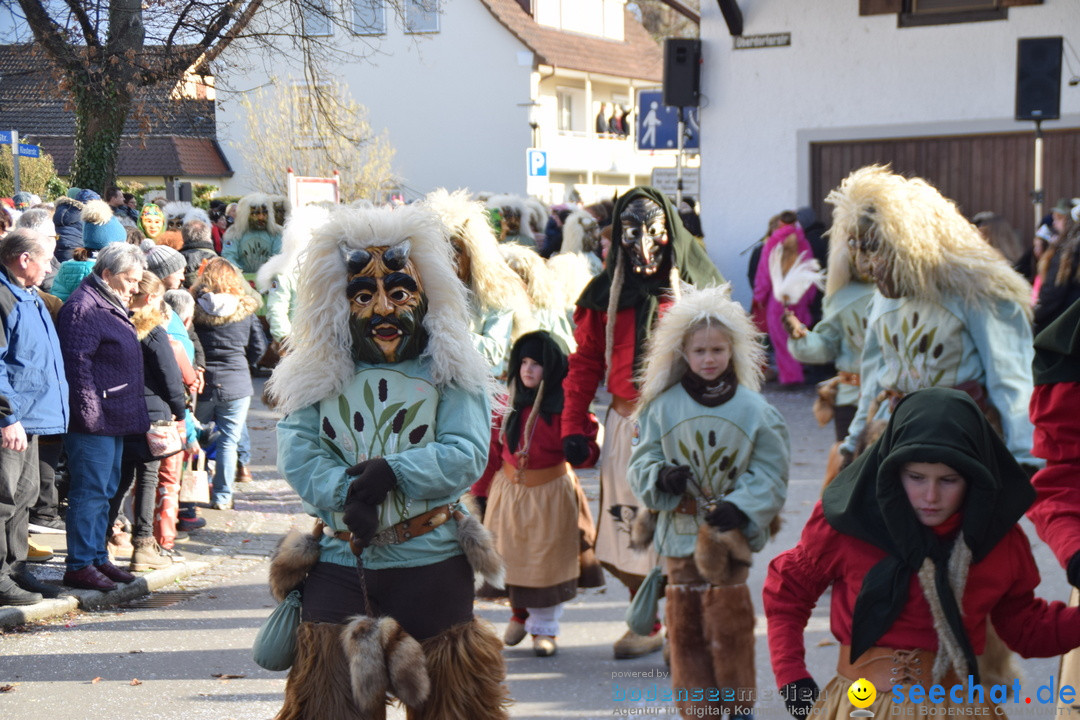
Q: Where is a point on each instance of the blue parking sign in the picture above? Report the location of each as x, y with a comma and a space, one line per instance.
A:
536, 160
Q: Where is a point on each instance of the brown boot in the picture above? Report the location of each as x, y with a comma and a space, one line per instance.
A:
148, 556
242, 473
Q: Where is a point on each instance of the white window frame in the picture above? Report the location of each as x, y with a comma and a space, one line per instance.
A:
429, 9
309, 14
378, 9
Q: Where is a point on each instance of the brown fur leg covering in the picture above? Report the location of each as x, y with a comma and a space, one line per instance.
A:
691, 662
729, 630
319, 686
465, 664
997, 664
292, 560
722, 558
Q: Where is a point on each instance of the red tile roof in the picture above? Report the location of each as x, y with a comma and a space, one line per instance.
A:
152, 156
638, 57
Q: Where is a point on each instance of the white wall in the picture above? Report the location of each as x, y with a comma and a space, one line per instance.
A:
845, 77
449, 101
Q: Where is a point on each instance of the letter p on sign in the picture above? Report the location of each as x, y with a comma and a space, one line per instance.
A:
537, 163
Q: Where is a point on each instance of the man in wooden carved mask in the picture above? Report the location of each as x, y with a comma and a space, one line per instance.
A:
386, 305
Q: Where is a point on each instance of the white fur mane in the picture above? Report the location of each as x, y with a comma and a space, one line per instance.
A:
302, 223
319, 362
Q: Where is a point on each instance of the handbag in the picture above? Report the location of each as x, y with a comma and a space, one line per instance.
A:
275, 645
195, 481
163, 439
641, 615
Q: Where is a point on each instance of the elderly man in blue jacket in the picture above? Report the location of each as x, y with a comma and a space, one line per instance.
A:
33, 402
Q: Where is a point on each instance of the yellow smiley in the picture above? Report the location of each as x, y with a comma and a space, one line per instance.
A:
862, 693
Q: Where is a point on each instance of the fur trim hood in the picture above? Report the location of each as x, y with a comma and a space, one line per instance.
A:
573, 234
664, 361
542, 286
145, 320
64, 200
185, 210
301, 224
215, 309
243, 212
319, 362
493, 283
929, 246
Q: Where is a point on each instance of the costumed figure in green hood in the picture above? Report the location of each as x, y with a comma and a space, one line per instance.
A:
254, 237
651, 255
387, 422
1057, 441
919, 542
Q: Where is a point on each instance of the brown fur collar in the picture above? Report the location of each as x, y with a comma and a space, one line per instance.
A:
247, 306
145, 320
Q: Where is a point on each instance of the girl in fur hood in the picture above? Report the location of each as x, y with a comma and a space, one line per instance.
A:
711, 455
232, 339
918, 541
536, 505
949, 310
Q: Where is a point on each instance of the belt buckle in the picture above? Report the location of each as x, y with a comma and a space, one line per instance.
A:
386, 536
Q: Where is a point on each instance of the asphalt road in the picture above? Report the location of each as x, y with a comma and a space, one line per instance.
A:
191, 659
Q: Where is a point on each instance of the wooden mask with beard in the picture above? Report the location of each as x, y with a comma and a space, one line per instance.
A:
386, 305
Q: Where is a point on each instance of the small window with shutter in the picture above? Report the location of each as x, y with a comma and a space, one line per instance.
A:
914, 13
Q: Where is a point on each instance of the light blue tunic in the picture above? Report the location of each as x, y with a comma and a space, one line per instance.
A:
739, 451
251, 250
435, 440
913, 344
838, 337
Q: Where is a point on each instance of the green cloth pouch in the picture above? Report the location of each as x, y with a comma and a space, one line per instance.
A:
641, 615
275, 645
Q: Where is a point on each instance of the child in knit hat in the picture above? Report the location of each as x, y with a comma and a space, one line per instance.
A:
100, 226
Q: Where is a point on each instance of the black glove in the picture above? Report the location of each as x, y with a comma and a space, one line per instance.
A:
799, 697
374, 481
726, 516
362, 520
1072, 571
846, 458
673, 478
576, 449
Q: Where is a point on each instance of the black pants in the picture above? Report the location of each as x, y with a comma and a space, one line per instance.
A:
138, 470
47, 505
425, 600
18, 490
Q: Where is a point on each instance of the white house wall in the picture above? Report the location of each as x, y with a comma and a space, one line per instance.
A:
448, 100
844, 77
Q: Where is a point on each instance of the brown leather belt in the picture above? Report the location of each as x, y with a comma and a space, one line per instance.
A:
533, 478
405, 530
885, 667
687, 506
849, 378
623, 406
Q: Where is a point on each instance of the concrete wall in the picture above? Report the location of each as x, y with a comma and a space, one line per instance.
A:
845, 77
449, 101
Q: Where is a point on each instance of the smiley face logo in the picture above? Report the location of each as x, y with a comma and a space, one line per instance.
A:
862, 693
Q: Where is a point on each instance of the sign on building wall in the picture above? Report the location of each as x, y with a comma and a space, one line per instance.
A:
752, 42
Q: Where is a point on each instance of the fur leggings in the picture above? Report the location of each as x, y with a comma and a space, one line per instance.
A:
711, 636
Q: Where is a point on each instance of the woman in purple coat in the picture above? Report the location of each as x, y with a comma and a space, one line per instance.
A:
103, 363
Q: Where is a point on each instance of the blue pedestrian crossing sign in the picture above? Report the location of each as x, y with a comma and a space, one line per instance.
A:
536, 160
658, 124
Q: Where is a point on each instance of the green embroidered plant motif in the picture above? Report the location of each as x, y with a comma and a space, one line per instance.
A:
715, 468
911, 355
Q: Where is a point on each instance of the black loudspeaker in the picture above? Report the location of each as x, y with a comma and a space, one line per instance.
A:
682, 72
1038, 78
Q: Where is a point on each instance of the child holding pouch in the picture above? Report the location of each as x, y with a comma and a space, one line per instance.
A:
919, 542
712, 457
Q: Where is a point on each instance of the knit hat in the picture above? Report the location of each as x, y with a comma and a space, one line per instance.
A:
22, 200
100, 226
85, 196
163, 261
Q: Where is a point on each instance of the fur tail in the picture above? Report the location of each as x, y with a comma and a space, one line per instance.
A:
383, 657
479, 546
293, 558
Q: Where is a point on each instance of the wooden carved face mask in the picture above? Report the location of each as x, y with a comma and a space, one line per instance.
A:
644, 235
386, 305
257, 217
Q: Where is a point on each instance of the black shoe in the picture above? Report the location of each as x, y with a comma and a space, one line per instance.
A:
12, 594
26, 580
47, 526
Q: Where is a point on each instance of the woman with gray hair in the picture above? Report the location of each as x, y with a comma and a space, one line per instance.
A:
103, 363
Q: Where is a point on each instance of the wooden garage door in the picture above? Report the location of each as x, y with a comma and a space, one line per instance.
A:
978, 172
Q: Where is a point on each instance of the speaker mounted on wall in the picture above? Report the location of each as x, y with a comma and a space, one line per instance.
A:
1038, 78
682, 72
